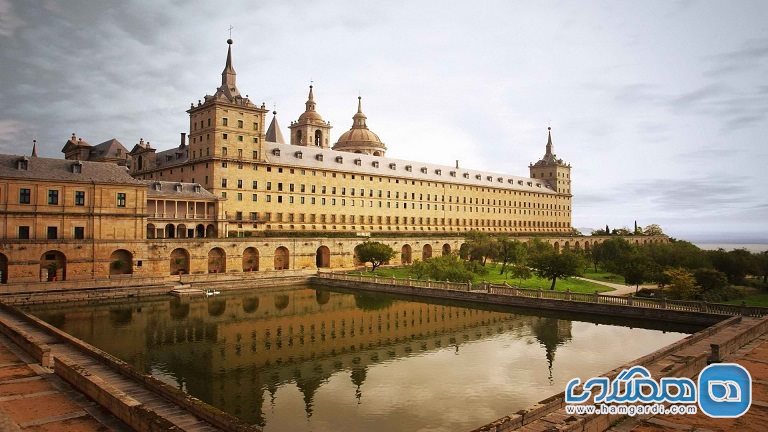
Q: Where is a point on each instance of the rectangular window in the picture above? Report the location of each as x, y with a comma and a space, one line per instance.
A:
121, 199
79, 233
255, 184
239, 196
239, 183
53, 233
79, 198
224, 136
25, 196
223, 182
254, 197
225, 122
53, 197
240, 124
269, 198
240, 138
24, 232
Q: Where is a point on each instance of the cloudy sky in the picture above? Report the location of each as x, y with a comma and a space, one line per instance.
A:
660, 106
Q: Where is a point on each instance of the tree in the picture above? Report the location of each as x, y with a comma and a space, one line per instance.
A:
761, 265
653, 230
509, 252
612, 252
635, 267
682, 285
519, 272
621, 231
736, 264
375, 253
447, 267
481, 246
553, 265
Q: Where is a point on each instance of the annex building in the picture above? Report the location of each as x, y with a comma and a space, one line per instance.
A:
236, 197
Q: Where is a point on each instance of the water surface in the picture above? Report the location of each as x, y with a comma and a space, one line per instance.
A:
318, 360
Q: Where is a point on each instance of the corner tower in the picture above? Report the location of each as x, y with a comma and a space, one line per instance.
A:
552, 170
310, 129
226, 124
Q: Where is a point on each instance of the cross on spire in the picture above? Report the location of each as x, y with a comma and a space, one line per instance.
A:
230, 31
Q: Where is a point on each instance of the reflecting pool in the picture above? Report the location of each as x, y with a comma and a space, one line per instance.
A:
300, 358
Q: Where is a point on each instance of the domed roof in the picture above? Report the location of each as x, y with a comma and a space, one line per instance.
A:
359, 137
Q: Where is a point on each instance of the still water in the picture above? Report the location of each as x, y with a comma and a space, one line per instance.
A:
317, 360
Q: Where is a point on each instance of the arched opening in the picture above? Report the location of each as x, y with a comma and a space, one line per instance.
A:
217, 260
250, 259
151, 233
53, 266
170, 231
200, 231
181, 231
282, 301
3, 269
577, 246
557, 247
377, 153
356, 257
179, 261
464, 251
358, 151
140, 163
446, 249
210, 231
120, 262
298, 137
250, 304
405, 254
323, 257
426, 252
567, 246
281, 258
318, 138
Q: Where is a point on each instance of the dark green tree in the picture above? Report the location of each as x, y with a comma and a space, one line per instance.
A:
375, 253
553, 265
481, 246
509, 252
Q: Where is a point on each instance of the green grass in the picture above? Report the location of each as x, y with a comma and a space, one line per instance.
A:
604, 276
758, 299
493, 276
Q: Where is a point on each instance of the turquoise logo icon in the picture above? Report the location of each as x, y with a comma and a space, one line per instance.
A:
725, 390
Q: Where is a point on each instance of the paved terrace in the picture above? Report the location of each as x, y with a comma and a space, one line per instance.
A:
140, 401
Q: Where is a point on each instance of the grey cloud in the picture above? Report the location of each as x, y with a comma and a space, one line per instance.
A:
751, 55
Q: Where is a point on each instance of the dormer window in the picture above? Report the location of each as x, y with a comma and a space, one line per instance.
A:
530, 183
358, 162
375, 164
520, 182
408, 168
510, 181
77, 167
156, 186
466, 175
22, 164
298, 155
177, 187
339, 159
452, 173
500, 180
478, 177
439, 172
538, 185
276, 152
424, 170
319, 157
197, 188
393, 166
489, 178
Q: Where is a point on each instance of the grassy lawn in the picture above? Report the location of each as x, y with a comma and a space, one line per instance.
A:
493, 276
602, 275
757, 299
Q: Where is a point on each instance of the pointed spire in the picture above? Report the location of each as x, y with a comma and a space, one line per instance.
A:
310, 104
549, 142
228, 75
34, 148
273, 132
358, 120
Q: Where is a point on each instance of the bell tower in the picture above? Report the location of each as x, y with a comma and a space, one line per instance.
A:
310, 129
555, 172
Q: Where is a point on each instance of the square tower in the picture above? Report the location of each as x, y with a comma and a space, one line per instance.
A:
552, 170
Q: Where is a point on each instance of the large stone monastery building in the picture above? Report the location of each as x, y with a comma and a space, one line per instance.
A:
310, 184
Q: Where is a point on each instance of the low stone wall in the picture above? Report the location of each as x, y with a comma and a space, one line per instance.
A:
36, 348
668, 315
193, 405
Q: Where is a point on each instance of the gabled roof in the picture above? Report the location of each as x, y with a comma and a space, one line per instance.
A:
109, 149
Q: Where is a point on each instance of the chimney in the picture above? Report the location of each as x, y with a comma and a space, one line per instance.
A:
457, 164
183, 139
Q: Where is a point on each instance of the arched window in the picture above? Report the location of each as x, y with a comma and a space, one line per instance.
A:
318, 138
298, 137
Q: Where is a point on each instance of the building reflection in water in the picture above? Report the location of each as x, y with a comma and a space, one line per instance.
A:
235, 351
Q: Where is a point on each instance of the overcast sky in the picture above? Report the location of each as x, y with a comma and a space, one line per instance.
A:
660, 106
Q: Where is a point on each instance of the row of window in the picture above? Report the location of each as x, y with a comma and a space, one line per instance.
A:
25, 197
224, 122
52, 233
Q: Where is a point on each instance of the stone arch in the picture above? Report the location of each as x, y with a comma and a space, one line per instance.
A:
557, 247
586, 245
577, 245
567, 246
181, 231
210, 231
3, 269
318, 138
378, 153
217, 260
282, 257
120, 262
446, 249
250, 259
298, 137
53, 265
426, 252
356, 257
464, 251
179, 261
323, 257
140, 163
151, 231
406, 254
170, 231
200, 231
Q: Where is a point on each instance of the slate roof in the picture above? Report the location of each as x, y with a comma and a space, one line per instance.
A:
61, 170
109, 149
169, 189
